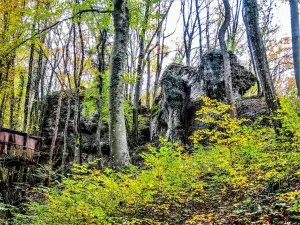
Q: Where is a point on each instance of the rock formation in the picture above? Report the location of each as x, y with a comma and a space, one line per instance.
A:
173, 114
88, 128
174, 111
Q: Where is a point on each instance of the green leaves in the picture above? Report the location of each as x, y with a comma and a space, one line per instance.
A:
244, 171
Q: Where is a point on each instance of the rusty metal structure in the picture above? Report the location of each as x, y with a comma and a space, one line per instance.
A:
19, 157
18, 145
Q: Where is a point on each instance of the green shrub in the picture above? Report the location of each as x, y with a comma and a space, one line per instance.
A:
238, 164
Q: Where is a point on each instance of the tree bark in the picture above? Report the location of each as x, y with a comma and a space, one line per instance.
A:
260, 57
35, 115
189, 26
101, 69
259, 88
55, 131
207, 25
28, 87
226, 58
119, 155
65, 149
295, 40
77, 109
148, 81
137, 90
200, 28
65, 152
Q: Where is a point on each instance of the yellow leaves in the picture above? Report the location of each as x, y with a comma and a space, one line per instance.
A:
271, 174
180, 148
201, 219
223, 129
240, 165
291, 200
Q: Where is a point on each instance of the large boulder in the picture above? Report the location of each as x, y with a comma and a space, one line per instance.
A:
174, 112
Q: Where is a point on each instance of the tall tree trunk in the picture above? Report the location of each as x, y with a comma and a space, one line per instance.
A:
235, 24
158, 64
259, 88
295, 40
77, 111
101, 70
137, 90
2, 108
68, 93
19, 98
260, 57
200, 28
65, 147
226, 58
148, 81
48, 91
34, 113
28, 87
55, 131
11, 71
117, 130
207, 25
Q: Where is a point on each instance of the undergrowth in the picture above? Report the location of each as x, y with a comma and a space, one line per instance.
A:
236, 174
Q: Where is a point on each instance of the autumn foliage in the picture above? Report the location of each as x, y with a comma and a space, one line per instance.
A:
236, 173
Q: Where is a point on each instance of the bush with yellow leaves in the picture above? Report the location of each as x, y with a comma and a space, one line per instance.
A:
220, 182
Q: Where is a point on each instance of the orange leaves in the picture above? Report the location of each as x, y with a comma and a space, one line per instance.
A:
280, 60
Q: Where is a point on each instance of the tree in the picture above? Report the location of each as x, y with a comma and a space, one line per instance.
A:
101, 70
250, 49
189, 27
28, 87
119, 154
199, 26
141, 58
295, 40
140, 68
260, 57
226, 57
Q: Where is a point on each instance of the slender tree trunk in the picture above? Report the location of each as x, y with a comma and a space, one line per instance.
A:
2, 109
19, 97
188, 28
200, 28
101, 70
295, 40
117, 129
260, 57
148, 81
259, 88
207, 25
34, 113
77, 77
137, 91
48, 90
65, 147
55, 131
235, 24
28, 87
226, 58
68, 93
11, 71
158, 55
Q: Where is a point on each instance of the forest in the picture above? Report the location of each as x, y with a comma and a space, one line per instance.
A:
166, 112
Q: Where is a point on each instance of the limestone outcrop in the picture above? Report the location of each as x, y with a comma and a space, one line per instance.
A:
174, 112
